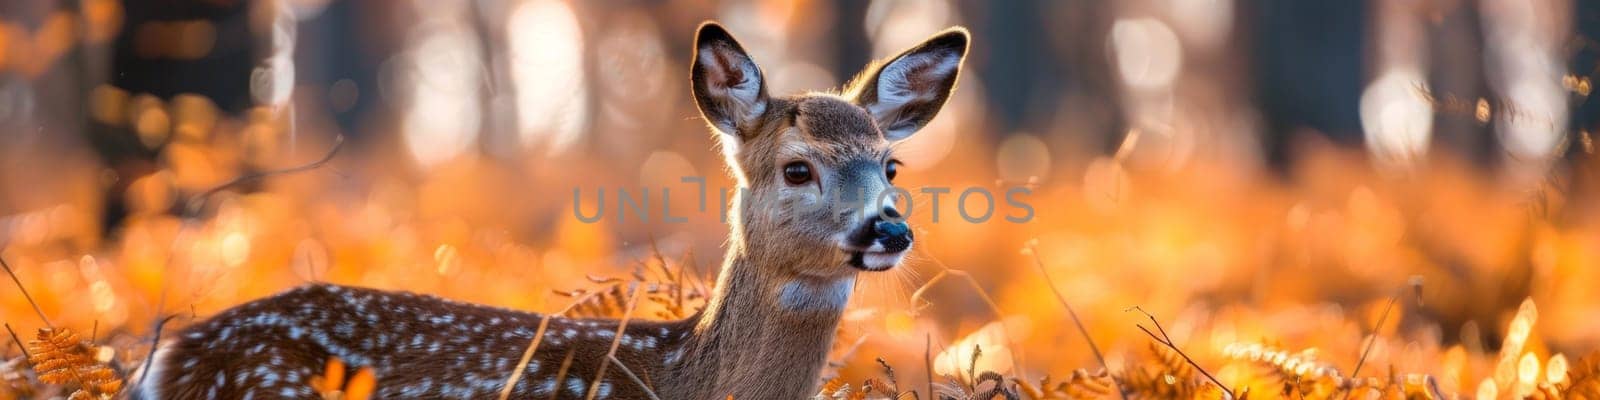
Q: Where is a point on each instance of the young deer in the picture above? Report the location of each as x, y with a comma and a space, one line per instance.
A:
809, 168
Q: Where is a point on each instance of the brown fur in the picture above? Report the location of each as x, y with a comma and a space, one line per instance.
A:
765, 333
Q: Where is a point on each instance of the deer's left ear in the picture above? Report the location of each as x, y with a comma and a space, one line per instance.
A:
905, 93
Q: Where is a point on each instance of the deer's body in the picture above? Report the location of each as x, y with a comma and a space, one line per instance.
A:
796, 247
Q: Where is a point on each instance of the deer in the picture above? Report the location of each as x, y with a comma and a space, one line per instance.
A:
808, 167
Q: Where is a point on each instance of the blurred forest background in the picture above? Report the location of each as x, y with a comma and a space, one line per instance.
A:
1250, 171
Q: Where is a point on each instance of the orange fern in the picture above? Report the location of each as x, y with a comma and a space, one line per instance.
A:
60, 358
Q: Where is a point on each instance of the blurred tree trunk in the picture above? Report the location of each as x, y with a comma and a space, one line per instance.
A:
220, 75
1456, 60
852, 49
1580, 163
1308, 62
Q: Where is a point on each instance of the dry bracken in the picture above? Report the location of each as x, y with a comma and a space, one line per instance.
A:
60, 358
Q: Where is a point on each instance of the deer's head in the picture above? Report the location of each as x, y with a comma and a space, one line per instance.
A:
816, 170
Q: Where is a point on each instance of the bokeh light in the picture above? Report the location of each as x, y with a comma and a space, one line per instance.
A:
1269, 180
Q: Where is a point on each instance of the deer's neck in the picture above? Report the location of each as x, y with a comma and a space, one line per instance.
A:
762, 336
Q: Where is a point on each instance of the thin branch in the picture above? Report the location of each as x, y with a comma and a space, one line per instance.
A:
927, 360
616, 340
1038, 261
834, 366
1415, 284
945, 271
533, 345
632, 377
561, 374
24, 348
522, 365
1299, 389
199, 200
25, 294
155, 343
1167, 340
1367, 350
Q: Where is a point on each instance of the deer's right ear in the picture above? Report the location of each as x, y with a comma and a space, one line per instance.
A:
727, 84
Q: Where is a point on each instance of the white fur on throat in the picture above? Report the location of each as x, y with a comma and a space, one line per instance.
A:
807, 295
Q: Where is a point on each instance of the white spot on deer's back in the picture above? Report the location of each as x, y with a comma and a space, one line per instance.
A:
603, 390
640, 343
674, 355
419, 389
575, 385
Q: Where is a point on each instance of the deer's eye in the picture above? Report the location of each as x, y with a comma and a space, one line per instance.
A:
797, 173
891, 169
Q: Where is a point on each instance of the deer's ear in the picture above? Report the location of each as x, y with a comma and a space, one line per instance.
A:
905, 93
727, 84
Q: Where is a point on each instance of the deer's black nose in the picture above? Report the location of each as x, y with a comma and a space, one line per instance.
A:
892, 233
888, 229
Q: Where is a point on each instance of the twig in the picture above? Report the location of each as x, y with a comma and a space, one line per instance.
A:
848, 352
946, 271
1167, 340
199, 200
155, 343
24, 348
25, 294
522, 365
927, 360
1415, 284
888, 371
616, 340
1038, 261
632, 377
533, 345
1367, 349
561, 374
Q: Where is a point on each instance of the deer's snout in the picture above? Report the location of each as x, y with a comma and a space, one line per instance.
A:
891, 232
880, 241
